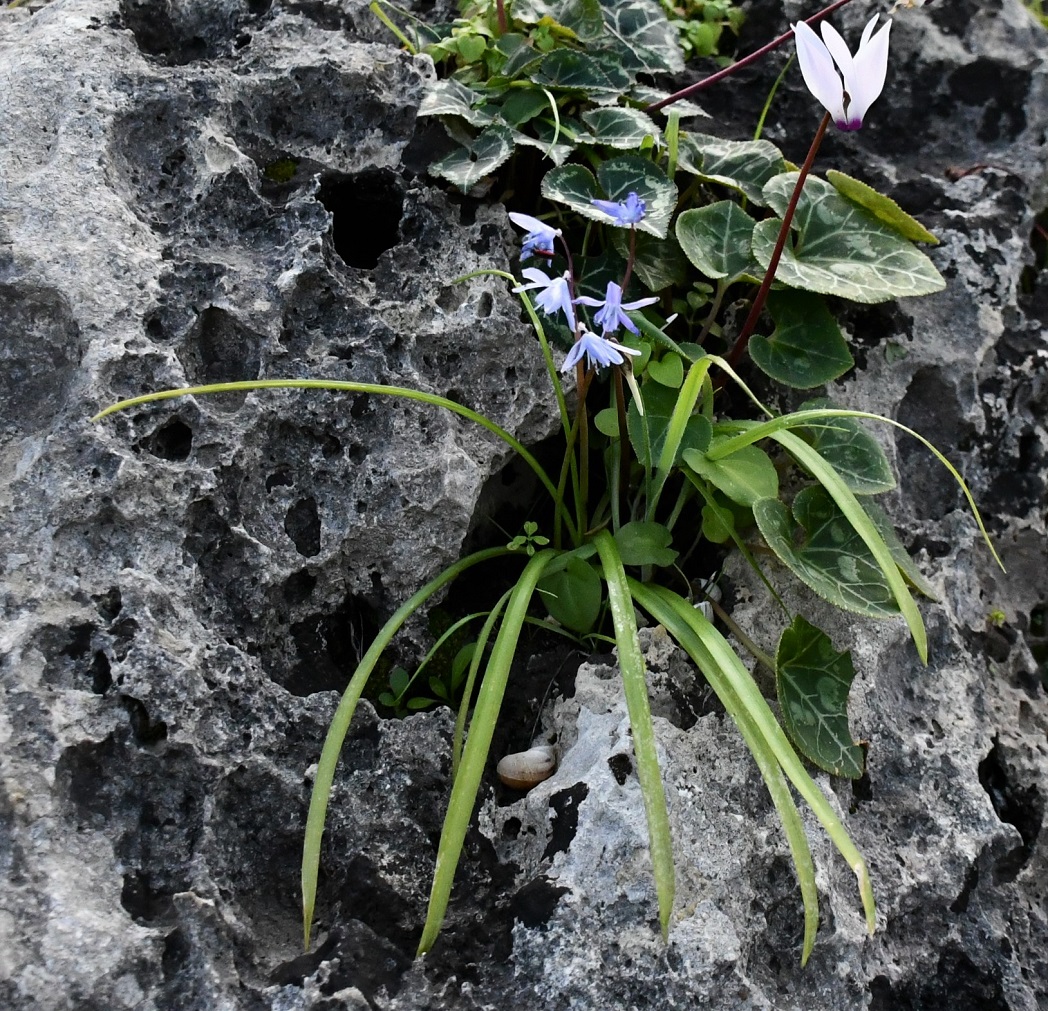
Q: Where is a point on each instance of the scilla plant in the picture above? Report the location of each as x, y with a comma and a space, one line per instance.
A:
661, 468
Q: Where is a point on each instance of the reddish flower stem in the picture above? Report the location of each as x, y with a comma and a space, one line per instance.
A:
744, 62
780, 243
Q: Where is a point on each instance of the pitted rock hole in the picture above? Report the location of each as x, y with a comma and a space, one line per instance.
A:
366, 211
302, 525
172, 441
1016, 804
177, 32
219, 349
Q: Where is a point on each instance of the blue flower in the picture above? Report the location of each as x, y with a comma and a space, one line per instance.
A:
628, 212
555, 293
863, 74
539, 238
600, 351
612, 313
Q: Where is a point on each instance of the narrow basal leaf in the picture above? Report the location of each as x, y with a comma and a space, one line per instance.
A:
716, 238
840, 248
806, 348
881, 207
829, 556
908, 567
812, 681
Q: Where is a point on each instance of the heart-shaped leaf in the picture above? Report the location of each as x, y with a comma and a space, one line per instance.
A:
616, 127
829, 556
745, 477
855, 454
667, 371
573, 594
641, 543
841, 249
648, 433
466, 167
716, 238
806, 348
644, 40
812, 681
743, 165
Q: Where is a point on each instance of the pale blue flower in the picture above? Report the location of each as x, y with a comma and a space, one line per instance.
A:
555, 293
628, 212
600, 352
612, 313
539, 238
863, 74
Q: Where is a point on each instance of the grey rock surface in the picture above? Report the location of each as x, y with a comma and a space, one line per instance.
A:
197, 191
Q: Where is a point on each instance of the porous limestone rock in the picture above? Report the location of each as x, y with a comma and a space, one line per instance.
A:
196, 191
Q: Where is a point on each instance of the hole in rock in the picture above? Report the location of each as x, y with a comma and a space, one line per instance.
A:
565, 821
1015, 804
302, 525
534, 904
366, 210
172, 441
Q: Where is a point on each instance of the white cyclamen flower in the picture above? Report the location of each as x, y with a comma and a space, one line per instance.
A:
863, 74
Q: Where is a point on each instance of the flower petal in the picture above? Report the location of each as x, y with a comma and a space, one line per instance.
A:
869, 71
819, 73
527, 222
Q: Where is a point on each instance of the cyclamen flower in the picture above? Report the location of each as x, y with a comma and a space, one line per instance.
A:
628, 212
612, 313
846, 101
600, 352
539, 238
555, 293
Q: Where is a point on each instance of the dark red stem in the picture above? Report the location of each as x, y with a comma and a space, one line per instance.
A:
744, 62
501, 6
780, 243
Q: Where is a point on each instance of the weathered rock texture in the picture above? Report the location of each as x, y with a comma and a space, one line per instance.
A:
196, 191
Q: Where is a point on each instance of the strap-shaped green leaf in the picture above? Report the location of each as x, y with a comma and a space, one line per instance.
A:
863, 525
813, 681
635, 688
806, 348
766, 740
840, 249
648, 431
474, 757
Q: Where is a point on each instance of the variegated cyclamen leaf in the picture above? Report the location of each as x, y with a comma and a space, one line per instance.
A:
812, 681
466, 167
658, 263
573, 70
806, 349
644, 39
450, 98
583, 17
716, 238
830, 557
620, 128
881, 207
633, 174
743, 165
847, 447
841, 249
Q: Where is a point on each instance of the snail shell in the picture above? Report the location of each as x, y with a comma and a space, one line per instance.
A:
526, 769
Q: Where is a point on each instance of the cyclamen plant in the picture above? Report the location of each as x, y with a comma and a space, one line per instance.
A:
682, 478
